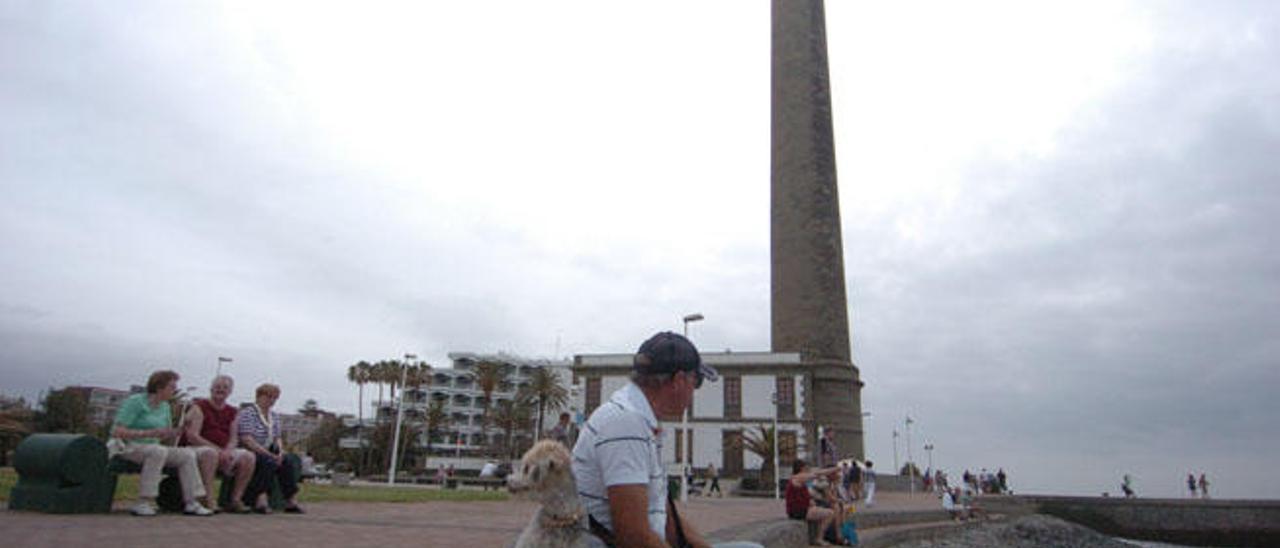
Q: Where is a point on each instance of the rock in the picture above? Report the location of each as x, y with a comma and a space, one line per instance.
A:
1027, 531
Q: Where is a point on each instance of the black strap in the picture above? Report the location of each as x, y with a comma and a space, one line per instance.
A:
681, 541
606, 536
601, 532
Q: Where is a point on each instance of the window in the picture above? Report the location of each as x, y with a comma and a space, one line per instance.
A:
732, 465
786, 387
733, 397
593, 394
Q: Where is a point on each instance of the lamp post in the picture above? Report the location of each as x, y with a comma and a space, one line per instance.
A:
395, 443
895, 450
684, 424
777, 437
928, 449
911, 467
221, 360
695, 317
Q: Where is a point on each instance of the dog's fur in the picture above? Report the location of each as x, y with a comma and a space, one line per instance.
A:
545, 476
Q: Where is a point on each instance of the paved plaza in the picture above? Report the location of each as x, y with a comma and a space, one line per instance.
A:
455, 524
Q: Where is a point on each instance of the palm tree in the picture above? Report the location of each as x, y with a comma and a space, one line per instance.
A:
760, 441
511, 417
547, 391
487, 376
436, 420
417, 375
361, 373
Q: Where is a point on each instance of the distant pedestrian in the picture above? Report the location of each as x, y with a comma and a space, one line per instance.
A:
564, 431
1204, 486
827, 448
853, 482
869, 483
714, 475
1127, 487
1191, 484
1002, 481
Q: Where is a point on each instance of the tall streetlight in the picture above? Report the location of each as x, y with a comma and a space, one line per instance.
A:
221, 360
895, 451
395, 443
695, 317
911, 467
684, 424
777, 474
928, 449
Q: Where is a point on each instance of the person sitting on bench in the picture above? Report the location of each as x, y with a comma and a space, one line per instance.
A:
212, 432
143, 422
259, 429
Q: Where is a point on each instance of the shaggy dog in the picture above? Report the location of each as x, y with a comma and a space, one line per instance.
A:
544, 476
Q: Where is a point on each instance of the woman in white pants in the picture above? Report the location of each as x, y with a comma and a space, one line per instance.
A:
144, 421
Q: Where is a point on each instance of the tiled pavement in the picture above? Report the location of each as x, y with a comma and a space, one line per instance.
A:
451, 524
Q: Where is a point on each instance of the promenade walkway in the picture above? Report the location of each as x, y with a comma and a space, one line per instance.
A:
384, 525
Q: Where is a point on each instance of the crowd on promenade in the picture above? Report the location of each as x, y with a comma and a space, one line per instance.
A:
212, 437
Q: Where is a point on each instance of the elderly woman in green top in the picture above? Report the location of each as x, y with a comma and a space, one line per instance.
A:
144, 421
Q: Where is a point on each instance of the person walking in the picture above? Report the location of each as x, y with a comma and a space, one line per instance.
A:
869, 483
1191, 484
714, 475
1127, 486
1204, 486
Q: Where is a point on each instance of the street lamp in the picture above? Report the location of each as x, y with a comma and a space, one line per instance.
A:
395, 443
776, 438
928, 449
895, 451
695, 317
221, 360
911, 467
684, 424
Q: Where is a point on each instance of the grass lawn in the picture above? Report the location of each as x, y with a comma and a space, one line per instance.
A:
127, 490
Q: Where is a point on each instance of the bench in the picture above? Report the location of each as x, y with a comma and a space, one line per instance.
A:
486, 483
62, 474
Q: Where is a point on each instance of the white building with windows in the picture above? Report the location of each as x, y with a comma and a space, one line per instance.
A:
463, 400
740, 402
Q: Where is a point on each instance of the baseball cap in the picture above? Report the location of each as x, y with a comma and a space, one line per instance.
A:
668, 352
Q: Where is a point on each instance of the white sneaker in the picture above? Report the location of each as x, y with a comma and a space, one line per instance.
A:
143, 509
194, 508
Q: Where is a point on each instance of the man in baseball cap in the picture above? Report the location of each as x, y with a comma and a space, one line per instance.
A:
617, 460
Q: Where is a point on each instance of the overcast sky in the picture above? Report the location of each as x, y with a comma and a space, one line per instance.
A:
1058, 219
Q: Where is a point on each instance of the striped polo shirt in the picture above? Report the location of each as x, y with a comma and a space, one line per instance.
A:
618, 445
250, 423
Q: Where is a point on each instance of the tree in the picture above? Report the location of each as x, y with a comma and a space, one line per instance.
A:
323, 443
361, 374
65, 410
512, 417
436, 419
417, 375
546, 391
487, 376
760, 442
16, 420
